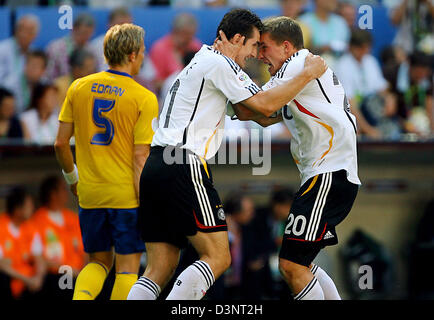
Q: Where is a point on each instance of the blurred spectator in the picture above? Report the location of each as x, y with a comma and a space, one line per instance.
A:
415, 94
33, 73
330, 33
81, 63
59, 50
421, 285
10, 126
347, 11
41, 119
159, 3
21, 247
268, 227
293, 9
394, 65
13, 50
167, 52
19, 3
112, 4
217, 3
147, 74
415, 22
117, 16
367, 90
60, 232
240, 211
167, 84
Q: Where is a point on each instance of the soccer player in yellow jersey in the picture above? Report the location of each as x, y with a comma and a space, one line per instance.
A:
111, 117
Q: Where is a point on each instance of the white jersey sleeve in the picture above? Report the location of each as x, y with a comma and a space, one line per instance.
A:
290, 69
233, 82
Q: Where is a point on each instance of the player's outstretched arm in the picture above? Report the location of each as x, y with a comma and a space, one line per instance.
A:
268, 102
245, 114
63, 150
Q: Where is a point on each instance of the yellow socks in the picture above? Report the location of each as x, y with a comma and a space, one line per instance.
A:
122, 285
90, 281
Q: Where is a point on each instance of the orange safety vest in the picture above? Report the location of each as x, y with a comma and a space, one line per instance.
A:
62, 244
18, 250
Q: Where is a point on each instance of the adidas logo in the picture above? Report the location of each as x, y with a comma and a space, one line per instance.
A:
328, 235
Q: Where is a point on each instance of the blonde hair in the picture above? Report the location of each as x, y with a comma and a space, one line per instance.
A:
120, 41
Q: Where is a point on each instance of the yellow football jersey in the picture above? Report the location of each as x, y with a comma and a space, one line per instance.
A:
111, 113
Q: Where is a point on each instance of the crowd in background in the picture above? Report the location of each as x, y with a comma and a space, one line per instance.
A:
34, 244
390, 96
38, 237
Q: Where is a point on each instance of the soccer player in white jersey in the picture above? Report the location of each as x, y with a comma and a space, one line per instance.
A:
323, 146
178, 202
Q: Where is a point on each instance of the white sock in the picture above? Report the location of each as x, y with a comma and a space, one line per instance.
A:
312, 291
144, 289
193, 282
326, 283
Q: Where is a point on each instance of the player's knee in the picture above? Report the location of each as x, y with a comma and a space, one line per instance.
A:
163, 269
289, 270
222, 260
219, 262
226, 261
106, 263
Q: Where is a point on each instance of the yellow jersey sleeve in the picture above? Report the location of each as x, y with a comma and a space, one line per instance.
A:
143, 131
66, 112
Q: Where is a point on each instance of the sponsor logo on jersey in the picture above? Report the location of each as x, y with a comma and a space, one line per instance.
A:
221, 214
242, 77
328, 235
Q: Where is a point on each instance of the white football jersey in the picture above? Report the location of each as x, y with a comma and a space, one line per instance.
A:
319, 119
193, 115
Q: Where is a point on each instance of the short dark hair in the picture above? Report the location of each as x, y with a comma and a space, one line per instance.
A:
38, 54
5, 93
15, 199
284, 29
38, 92
84, 19
360, 37
240, 21
119, 12
78, 56
420, 59
233, 202
282, 195
48, 185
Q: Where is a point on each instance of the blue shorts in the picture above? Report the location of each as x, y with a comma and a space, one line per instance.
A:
101, 229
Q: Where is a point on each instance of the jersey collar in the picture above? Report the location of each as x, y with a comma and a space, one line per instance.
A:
119, 73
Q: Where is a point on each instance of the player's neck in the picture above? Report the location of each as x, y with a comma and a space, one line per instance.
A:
124, 68
290, 53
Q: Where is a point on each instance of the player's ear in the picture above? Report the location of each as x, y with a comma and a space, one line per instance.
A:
287, 46
235, 38
132, 57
